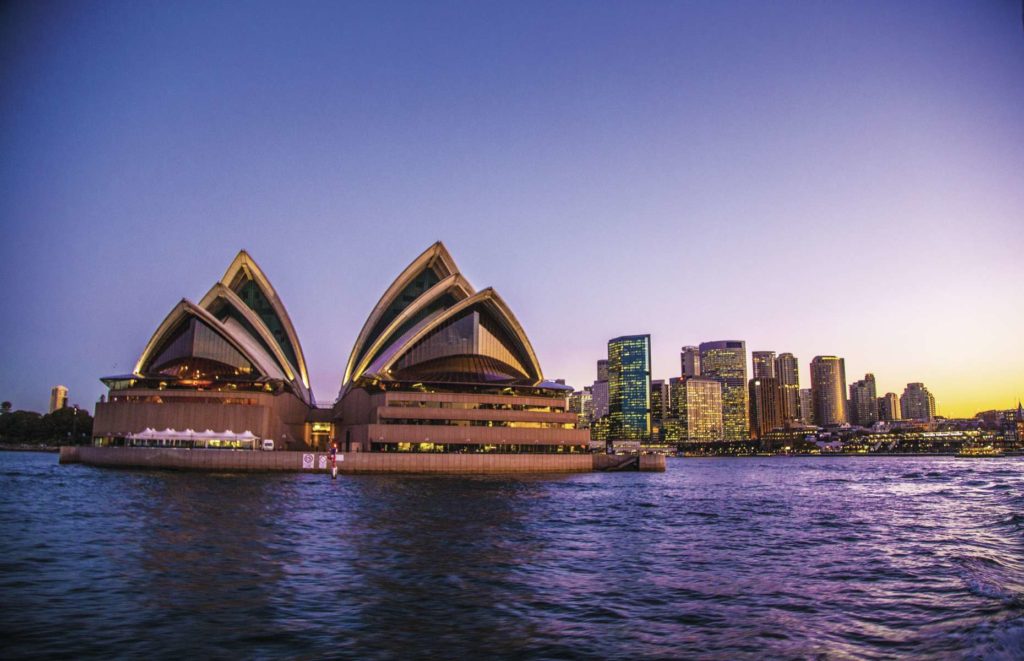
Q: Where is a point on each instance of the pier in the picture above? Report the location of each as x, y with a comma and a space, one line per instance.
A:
354, 462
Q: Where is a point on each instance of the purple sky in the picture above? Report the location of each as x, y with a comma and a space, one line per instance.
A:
817, 177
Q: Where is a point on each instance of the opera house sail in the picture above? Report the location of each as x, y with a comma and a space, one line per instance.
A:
437, 367
441, 367
226, 371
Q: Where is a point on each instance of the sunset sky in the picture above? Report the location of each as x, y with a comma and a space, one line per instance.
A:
816, 177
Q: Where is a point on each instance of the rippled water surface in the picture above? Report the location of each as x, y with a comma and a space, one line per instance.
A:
723, 558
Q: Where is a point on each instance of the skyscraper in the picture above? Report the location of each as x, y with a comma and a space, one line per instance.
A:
726, 362
599, 392
580, 404
58, 398
807, 406
697, 409
828, 388
765, 406
863, 402
764, 364
788, 374
598, 400
889, 407
629, 387
689, 358
660, 404
917, 403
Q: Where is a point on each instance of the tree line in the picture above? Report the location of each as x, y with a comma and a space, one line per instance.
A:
66, 426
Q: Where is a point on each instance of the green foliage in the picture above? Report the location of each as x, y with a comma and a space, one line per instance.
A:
67, 426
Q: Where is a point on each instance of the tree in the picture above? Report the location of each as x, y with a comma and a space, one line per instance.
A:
68, 425
5, 407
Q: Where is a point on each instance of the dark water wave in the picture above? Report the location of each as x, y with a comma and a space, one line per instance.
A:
756, 558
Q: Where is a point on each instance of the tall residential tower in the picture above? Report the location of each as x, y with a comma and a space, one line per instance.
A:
828, 388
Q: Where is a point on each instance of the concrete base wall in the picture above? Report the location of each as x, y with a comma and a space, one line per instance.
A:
352, 462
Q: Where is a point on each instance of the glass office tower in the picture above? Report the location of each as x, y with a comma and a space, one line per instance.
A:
629, 387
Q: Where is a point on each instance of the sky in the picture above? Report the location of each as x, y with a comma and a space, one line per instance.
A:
842, 178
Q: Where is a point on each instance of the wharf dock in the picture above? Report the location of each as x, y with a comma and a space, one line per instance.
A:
354, 462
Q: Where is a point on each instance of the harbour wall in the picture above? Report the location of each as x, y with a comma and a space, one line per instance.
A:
349, 463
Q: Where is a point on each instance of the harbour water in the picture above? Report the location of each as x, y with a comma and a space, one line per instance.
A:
847, 557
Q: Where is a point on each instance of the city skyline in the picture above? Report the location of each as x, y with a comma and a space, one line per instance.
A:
620, 172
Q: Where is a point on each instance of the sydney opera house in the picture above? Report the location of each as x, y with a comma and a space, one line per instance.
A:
437, 367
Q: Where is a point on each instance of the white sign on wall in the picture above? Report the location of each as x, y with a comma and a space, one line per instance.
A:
323, 462
307, 461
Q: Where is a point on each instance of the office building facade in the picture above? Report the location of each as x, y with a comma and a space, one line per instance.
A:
763, 363
726, 362
765, 406
689, 358
629, 387
807, 406
697, 409
788, 374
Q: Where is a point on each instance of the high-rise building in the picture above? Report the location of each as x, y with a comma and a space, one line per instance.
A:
58, 398
697, 409
580, 404
726, 362
629, 387
599, 392
864, 401
764, 364
765, 406
598, 400
807, 406
660, 404
889, 407
917, 403
828, 387
788, 374
689, 358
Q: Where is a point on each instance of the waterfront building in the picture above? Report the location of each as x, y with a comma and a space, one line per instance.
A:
917, 403
864, 402
828, 388
765, 406
807, 406
726, 362
764, 364
690, 361
230, 363
441, 367
889, 407
788, 374
437, 367
602, 369
58, 398
696, 410
629, 387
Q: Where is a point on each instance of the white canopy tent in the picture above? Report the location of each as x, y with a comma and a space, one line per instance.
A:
189, 438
